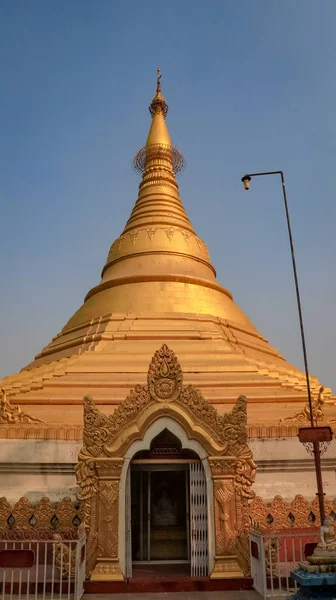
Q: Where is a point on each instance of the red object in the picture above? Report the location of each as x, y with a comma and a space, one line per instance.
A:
141, 585
315, 434
16, 559
254, 550
309, 549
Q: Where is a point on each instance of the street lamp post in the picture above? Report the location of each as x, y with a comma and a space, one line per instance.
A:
313, 436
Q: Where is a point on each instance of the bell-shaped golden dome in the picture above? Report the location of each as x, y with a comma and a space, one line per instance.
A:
158, 264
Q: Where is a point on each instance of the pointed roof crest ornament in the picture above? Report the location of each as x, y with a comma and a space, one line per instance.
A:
158, 81
158, 103
158, 146
165, 376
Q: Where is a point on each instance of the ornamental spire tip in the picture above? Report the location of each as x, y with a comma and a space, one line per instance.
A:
158, 81
158, 146
158, 103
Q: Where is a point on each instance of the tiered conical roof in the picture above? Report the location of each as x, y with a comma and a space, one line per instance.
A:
158, 286
158, 264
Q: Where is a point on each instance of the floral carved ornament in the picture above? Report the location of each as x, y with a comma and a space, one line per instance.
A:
107, 437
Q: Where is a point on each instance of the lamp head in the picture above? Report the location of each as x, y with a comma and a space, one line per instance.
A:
246, 181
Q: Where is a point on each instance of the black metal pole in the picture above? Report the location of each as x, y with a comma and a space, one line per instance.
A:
298, 299
317, 453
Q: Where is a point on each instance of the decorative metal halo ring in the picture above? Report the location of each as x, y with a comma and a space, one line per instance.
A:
159, 151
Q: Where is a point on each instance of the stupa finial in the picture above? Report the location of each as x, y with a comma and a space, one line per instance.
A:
158, 145
158, 104
158, 81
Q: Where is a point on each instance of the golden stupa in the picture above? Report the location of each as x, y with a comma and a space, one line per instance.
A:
159, 286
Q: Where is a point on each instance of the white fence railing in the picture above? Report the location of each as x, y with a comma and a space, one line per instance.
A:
274, 555
50, 569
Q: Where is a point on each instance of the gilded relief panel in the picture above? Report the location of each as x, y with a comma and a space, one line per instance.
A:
233, 479
224, 437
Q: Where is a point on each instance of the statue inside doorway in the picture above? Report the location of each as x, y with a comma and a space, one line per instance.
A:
164, 512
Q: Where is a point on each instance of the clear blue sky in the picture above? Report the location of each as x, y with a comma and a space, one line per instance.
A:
250, 85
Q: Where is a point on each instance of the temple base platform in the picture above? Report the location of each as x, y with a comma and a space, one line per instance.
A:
166, 578
314, 586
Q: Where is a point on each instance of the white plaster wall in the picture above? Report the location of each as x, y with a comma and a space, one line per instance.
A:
36, 468
284, 449
285, 468
39, 451
289, 484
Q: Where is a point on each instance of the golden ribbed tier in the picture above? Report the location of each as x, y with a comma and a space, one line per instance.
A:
109, 356
158, 264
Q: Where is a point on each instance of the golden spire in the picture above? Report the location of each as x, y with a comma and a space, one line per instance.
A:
158, 140
158, 264
159, 162
158, 103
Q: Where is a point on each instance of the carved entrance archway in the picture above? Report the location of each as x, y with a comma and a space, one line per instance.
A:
107, 440
154, 430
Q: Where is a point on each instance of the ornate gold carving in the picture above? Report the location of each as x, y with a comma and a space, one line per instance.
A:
258, 513
225, 515
242, 550
137, 236
108, 519
64, 558
13, 414
164, 376
100, 428
87, 479
222, 466
233, 481
226, 566
228, 429
47, 432
279, 514
22, 512
99, 481
42, 432
133, 236
151, 233
109, 571
277, 431
245, 472
271, 555
44, 518
186, 236
5, 512
44, 512
169, 231
300, 509
106, 436
109, 469
228, 432
304, 414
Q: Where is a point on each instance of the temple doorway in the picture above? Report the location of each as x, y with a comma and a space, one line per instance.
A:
166, 510
160, 514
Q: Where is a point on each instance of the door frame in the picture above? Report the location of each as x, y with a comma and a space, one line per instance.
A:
161, 465
144, 444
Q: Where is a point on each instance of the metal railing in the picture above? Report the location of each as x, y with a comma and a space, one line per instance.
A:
274, 555
49, 568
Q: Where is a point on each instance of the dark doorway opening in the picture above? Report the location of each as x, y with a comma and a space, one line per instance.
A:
160, 513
